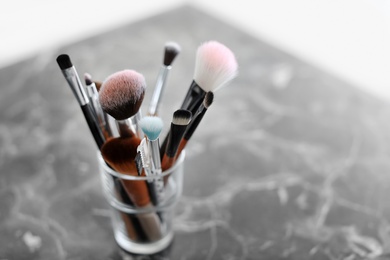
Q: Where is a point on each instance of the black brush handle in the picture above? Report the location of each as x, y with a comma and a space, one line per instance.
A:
194, 124
93, 125
174, 138
193, 98
191, 102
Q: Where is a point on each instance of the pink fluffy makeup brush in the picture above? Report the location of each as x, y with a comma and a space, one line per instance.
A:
215, 66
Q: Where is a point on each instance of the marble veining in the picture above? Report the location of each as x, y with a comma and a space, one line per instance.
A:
289, 162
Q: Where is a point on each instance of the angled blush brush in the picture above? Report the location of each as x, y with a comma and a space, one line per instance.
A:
94, 98
181, 119
71, 76
197, 118
121, 96
171, 50
215, 66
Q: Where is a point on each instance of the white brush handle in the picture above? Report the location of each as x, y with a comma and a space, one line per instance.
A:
158, 90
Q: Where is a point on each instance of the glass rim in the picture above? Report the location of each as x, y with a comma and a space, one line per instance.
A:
124, 176
123, 207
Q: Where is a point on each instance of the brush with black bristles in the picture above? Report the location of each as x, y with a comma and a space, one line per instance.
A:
197, 118
181, 119
121, 96
171, 50
73, 79
94, 98
215, 66
152, 127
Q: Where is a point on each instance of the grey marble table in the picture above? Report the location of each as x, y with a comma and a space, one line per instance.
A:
290, 162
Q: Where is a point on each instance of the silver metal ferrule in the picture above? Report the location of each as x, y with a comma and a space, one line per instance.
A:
131, 124
93, 96
155, 156
158, 90
74, 82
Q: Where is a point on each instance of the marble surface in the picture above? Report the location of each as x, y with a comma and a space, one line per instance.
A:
289, 162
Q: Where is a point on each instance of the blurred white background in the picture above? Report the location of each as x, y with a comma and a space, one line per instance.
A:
349, 38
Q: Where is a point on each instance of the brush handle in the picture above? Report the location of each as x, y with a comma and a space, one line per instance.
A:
75, 84
190, 130
137, 191
167, 162
132, 224
125, 128
158, 90
182, 145
156, 170
193, 98
99, 113
163, 146
135, 122
93, 125
175, 135
139, 194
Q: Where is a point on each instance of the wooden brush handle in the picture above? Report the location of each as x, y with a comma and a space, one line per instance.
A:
137, 191
129, 221
182, 145
167, 162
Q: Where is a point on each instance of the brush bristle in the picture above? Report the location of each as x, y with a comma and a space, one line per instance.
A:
88, 79
98, 85
208, 99
172, 49
64, 61
215, 66
122, 93
182, 117
120, 153
151, 126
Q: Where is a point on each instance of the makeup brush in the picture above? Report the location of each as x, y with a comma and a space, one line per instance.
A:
74, 82
207, 101
181, 119
119, 153
92, 92
121, 96
152, 127
215, 66
93, 95
71, 76
171, 50
131, 222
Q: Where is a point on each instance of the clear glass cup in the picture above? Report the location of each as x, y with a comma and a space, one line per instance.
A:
141, 214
